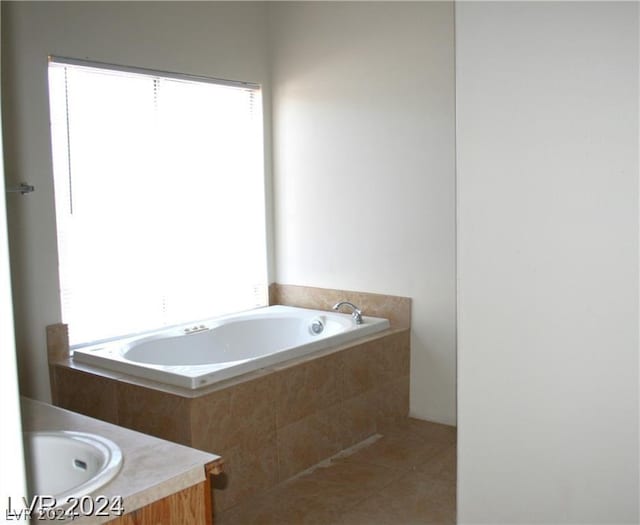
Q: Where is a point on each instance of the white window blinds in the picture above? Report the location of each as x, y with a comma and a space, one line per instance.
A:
159, 190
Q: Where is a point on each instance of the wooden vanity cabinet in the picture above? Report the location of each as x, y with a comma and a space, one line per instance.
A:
193, 505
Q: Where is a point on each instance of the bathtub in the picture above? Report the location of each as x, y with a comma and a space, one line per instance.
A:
194, 356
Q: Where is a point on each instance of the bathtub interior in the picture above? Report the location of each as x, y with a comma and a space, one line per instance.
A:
232, 341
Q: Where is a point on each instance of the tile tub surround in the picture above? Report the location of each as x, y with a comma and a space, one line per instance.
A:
268, 425
146, 476
395, 308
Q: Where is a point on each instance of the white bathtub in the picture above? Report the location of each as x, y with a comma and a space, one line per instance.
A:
195, 356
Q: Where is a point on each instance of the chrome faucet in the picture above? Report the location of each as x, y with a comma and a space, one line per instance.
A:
356, 313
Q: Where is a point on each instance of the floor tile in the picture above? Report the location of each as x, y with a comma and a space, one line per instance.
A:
406, 477
441, 466
402, 451
365, 477
426, 430
413, 500
304, 500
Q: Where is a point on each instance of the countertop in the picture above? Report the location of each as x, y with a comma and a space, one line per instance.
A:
152, 468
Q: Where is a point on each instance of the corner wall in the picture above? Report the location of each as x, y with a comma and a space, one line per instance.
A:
364, 179
547, 110
217, 39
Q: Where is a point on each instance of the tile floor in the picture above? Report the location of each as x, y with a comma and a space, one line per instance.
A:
405, 477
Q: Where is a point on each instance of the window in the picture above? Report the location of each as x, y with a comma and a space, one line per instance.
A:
159, 192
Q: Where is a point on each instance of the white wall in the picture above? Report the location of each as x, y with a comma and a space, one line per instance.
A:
364, 165
547, 111
218, 39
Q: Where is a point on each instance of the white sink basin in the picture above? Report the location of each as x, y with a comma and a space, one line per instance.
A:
67, 464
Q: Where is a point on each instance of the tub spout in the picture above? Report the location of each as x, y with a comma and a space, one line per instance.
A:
356, 313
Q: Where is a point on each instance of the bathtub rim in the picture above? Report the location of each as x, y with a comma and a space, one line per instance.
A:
159, 373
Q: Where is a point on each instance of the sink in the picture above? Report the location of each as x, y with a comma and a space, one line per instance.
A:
68, 464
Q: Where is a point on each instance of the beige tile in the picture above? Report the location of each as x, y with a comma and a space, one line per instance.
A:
240, 415
308, 441
316, 503
426, 430
303, 296
358, 418
86, 394
397, 451
393, 356
299, 502
364, 488
320, 500
248, 472
393, 402
239, 424
156, 413
310, 501
375, 363
412, 500
57, 342
273, 292
396, 309
362, 369
210, 420
360, 478
306, 388
441, 466
259, 512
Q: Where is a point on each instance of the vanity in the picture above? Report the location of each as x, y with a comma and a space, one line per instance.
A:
159, 482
